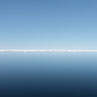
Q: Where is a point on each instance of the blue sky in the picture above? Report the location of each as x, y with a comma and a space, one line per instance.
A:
48, 24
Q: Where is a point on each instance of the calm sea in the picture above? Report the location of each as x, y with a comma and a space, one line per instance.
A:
48, 74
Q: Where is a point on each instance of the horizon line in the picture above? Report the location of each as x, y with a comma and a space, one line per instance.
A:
46, 50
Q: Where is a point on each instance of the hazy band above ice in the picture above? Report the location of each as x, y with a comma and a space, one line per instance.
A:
44, 50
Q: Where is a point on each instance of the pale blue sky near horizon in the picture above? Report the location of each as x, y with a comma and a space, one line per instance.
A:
48, 24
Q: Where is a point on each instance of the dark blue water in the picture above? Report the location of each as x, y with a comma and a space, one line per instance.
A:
48, 74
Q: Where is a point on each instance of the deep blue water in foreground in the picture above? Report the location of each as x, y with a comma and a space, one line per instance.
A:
48, 74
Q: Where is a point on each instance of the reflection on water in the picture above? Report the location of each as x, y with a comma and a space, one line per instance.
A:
48, 74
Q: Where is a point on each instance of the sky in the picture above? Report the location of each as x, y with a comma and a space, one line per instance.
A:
48, 24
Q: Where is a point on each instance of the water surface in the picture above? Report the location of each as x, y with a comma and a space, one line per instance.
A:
48, 74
